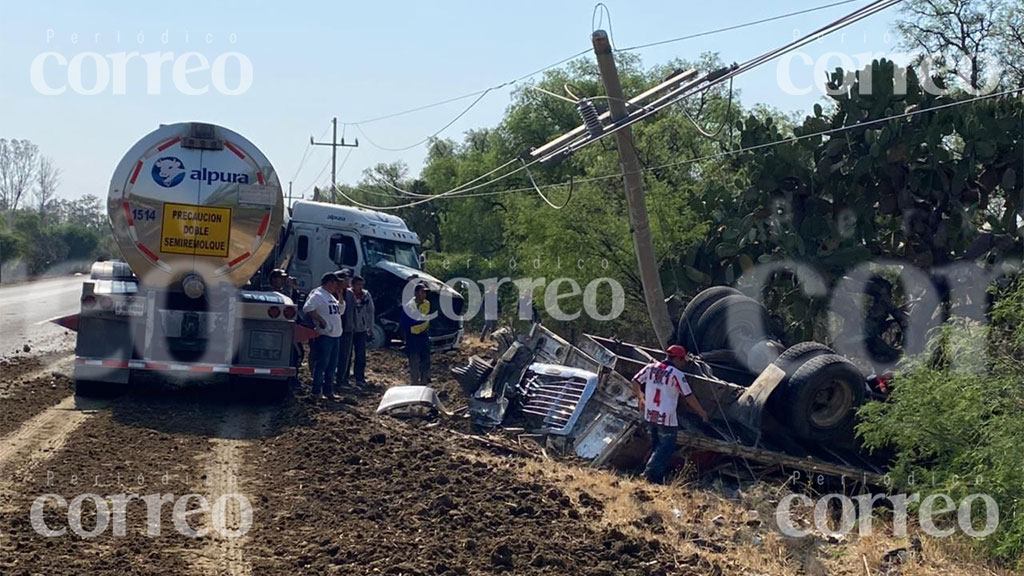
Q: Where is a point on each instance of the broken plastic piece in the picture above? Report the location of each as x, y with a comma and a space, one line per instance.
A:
411, 401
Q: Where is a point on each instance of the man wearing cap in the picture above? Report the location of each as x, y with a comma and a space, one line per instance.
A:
658, 387
324, 309
416, 323
347, 323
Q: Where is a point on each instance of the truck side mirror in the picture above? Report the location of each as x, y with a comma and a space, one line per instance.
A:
339, 254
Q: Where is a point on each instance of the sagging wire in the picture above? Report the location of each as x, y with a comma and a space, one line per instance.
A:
541, 194
600, 7
728, 112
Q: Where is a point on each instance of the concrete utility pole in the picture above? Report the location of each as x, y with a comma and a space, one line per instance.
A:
633, 180
334, 144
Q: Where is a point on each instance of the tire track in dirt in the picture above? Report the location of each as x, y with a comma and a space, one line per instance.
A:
41, 437
224, 553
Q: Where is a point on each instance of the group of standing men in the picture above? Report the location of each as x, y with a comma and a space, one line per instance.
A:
342, 312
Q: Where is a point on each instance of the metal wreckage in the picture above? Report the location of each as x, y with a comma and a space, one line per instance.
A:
579, 400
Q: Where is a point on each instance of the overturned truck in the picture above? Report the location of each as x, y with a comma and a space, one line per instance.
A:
775, 409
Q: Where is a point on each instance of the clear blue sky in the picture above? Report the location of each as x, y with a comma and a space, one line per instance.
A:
314, 60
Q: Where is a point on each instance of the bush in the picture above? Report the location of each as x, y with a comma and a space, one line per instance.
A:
956, 421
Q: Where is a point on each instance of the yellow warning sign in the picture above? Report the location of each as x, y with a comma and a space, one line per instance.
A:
198, 230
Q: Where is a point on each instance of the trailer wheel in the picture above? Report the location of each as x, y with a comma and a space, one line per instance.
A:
378, 338
735, 322
691, 315
794, 356
822, 398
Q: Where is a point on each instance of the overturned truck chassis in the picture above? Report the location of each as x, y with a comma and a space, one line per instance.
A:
580, 398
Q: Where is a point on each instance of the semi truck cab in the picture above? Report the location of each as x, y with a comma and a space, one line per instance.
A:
322, 237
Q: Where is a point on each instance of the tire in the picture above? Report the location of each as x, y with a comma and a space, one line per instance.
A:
794, 356
695, 309
379, 338
734, 322
822, 398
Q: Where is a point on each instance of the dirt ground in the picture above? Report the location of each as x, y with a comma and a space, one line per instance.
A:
335, 489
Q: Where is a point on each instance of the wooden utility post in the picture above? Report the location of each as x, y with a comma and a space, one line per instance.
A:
633, 180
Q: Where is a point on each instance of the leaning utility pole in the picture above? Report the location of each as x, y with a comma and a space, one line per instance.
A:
334, 144
633, 179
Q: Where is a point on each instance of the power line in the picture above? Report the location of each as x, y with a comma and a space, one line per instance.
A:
710, 80
471, 94
787, 140
864, 12
737, 26
428, 138
305, 154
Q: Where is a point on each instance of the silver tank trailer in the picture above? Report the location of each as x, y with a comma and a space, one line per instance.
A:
195, 202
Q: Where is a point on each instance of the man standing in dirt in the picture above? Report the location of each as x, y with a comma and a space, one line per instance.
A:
363, 313
348, 325
325, 311
658, 387
416, 322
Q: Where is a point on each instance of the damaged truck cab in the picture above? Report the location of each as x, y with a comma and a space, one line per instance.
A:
323, 237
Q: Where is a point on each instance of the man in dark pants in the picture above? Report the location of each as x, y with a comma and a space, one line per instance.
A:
658, 387
364, 312
415, 314
348, 323
323, 308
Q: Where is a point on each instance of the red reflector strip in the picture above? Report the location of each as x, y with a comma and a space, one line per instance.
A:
168, 144
135, 174
237, 260
204, 368
263, 224
235, 150
147, 252
128, 214
259, 177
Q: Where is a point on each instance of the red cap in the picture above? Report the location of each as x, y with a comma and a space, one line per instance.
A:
676, 350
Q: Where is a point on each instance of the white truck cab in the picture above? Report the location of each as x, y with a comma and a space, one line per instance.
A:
322, 237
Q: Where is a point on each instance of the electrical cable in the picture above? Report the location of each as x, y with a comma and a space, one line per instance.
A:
471, 94
305, 155
787, 140
737, 26
860, 14
541, 194
716, 133
736, 70
428, 138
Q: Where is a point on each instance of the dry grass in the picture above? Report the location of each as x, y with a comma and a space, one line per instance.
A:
737, 537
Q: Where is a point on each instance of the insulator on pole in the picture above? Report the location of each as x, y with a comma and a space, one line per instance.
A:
591, 119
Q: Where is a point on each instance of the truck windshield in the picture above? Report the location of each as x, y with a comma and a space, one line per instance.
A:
376, 250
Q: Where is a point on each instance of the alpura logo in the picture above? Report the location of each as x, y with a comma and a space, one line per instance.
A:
168, 171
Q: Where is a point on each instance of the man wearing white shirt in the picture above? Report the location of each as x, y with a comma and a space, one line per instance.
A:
325, 311
658, 386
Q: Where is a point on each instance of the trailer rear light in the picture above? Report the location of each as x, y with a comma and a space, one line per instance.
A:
106, 302
273, 311
88, 301
289, 312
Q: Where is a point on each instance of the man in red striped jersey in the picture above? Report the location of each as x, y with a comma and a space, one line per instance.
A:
658, 386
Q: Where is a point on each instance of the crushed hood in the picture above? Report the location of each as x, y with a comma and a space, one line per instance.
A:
405, 273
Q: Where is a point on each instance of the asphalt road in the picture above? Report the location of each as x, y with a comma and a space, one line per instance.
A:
25, 309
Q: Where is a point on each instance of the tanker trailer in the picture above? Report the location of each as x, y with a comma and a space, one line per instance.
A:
195, 209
